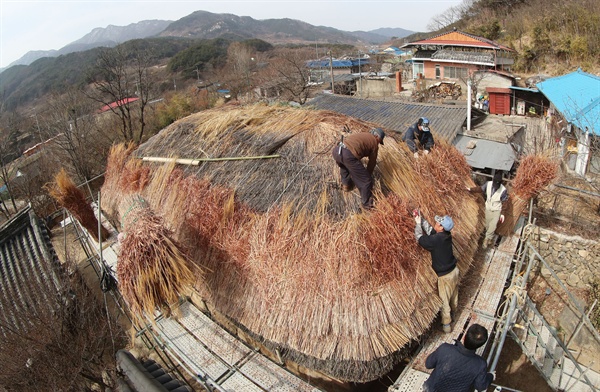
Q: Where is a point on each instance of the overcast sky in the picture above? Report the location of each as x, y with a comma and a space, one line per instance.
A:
49, 24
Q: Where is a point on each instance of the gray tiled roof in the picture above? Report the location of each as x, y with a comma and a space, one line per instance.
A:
446, 120
28, 269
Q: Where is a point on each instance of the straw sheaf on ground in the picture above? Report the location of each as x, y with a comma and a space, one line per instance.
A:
290, 257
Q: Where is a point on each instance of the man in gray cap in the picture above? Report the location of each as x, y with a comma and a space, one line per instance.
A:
348, 153
438, 241
418, 136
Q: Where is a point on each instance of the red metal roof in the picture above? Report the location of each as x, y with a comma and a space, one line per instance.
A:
115, 104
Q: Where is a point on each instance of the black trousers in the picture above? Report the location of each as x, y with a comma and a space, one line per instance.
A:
352, 170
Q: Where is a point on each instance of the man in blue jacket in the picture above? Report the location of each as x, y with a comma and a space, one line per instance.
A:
438, 241
458, 368
418, 136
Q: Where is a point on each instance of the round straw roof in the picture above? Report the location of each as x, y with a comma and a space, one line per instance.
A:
289, 256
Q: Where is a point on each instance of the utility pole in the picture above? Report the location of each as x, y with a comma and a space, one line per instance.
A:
37, 123
359, 75
331, 72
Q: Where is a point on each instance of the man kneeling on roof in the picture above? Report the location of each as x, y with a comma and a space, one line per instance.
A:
438, 241
418, 136
348, 153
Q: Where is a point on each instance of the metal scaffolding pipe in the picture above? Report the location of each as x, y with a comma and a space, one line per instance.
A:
511, 312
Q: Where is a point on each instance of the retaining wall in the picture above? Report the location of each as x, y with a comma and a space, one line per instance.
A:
575, 260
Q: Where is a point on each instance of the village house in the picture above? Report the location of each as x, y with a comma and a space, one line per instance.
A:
576, 98
452, 55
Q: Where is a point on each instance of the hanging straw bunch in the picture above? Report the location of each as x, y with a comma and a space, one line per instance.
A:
122, 174
153, 269
66, 193
288, 255
534, 174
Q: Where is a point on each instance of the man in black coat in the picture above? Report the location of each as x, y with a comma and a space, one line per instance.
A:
418, 136
438, 241
458, 368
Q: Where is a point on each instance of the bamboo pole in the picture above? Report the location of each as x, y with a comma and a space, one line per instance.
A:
197, 161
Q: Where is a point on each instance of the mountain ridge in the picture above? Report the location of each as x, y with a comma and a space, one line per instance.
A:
204, 24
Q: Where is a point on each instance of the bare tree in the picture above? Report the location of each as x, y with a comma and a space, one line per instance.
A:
65, 342
238, 71
123, 84
288, 73
451, 16
6, 174
77, 134
474, 78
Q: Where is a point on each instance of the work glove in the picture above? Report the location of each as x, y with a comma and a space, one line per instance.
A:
416, 155
426, 152
418, 220
501, 220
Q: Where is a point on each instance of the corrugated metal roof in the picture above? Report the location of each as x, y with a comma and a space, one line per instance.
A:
446, 120
487, 153
531, 90
577, 98
28, 268
348, 63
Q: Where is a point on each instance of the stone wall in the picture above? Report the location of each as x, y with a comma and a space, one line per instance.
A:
575, 260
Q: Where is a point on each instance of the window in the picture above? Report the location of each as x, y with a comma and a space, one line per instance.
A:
456, 73
437, 71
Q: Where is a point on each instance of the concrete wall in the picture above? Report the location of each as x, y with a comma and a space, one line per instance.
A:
373, 88
575, 260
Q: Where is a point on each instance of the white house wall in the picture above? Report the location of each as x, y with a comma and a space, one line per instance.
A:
583, 152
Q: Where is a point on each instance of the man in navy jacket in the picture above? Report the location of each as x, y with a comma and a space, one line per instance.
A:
438, 241
457, 368
418, 136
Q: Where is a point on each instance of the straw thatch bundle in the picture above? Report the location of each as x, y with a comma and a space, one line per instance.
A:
66, 193
290, 257
534, 174
153, 269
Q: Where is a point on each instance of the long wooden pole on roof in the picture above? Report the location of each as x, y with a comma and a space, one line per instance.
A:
197, 161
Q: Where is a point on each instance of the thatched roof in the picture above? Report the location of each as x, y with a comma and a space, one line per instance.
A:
287, 255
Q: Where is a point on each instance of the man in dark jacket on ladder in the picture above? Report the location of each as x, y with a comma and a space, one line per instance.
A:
348, 153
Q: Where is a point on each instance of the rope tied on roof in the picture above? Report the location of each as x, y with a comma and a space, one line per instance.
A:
136, 203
